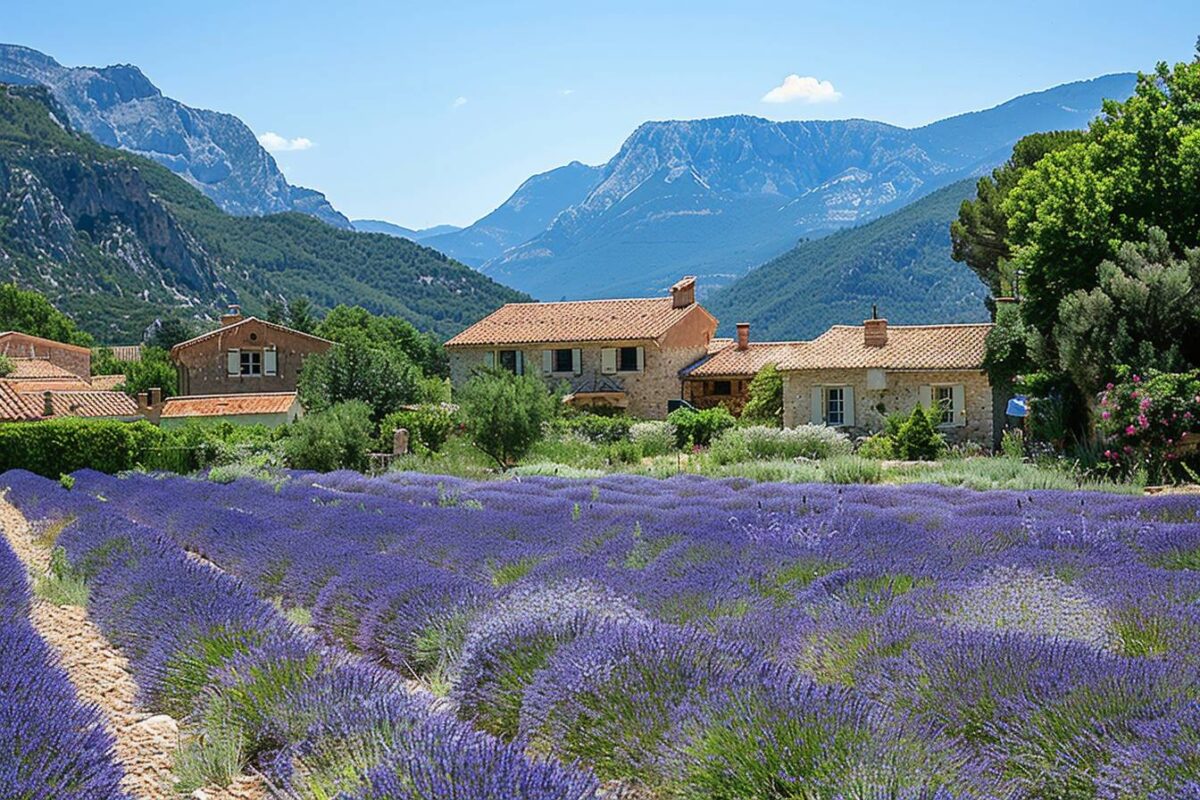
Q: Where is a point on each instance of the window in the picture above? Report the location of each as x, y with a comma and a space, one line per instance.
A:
943, 396
564, 360
721, 388
835, 405
251, 362
513, 361
627, 359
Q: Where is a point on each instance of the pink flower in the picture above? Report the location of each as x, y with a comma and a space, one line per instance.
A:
1137, 378
1109, 387
1183, 435
1130, 430
1145, 403
1143, 422
1105, 415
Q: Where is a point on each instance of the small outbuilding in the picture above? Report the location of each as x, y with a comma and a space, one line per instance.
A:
270, 408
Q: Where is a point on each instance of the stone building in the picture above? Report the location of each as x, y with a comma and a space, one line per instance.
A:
70, 357
270, 409
722, 378
246, 355
618, 353
852, 376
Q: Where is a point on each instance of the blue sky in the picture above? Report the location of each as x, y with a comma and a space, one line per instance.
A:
422, 113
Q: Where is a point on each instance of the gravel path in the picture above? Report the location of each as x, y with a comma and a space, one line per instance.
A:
145, 742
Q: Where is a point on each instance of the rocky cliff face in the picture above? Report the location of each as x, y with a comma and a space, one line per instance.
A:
217, 153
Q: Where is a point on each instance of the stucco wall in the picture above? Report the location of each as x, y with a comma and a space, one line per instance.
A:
203, 367
902, 394
648, 391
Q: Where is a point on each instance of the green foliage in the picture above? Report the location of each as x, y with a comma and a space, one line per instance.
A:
852, 469
340, 437
918, 439
29, 312
428, 426
765, 443
57, 446
191, 670
1148, 421
765, 406
699, 428
169, 332
596, 428
348, 324
214, 754
879, 446
300, 315
6, 365
654, 437
1012, 444
154, 370
66, 481
504, 413
105, 363
511, 572
384, 379
1008, 350
62, 584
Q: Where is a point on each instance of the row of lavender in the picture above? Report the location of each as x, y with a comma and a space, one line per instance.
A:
723, 639
51, 745
312, 718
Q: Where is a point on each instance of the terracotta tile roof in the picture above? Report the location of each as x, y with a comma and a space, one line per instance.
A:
717, 344
909, 347
48, 342
15, 407
228, 405
37, 369
51, 385
107, 382
127, 352
731, 361
205, 336
575, 321
89, 404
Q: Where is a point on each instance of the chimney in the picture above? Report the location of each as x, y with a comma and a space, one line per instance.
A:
231, 317
683, 293
150, 404
875, 330
47, 404
743, 336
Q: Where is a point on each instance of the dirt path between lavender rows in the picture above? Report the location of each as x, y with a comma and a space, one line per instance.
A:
145, 743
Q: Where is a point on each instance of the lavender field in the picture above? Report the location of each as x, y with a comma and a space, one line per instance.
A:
420, 637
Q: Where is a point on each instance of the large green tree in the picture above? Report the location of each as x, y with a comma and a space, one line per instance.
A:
504, 413
382, 378
353, 323
29, 312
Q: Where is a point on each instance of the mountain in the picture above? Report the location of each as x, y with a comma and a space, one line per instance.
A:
115, 240
900, 262
717, 197
217, 153
532, 207
391, 229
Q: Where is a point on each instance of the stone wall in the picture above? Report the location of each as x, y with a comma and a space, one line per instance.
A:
647, 391
902, 394
203, 367
77, 360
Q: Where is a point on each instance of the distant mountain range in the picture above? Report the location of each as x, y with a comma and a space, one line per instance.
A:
391, 229
116, 240
217, 153
718, 197
900, 262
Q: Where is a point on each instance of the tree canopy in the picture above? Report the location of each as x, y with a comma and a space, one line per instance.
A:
29, 312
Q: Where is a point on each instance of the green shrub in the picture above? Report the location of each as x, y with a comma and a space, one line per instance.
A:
918, 439
337, 438
59, 446
1144, 418
880, 447
62, 585
759, 442
504, 413
1012, 443
597, 428
655, 437
153, 371
765, 406
428, 426
699, 428
852, 469
6, 365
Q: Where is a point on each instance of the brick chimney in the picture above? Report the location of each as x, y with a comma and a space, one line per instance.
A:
47, 404
743, 336
150, 404
233, 316
875, 330
683, 293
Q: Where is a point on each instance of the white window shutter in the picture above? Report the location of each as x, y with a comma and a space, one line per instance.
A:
233, 362
519, 357
848, 406
608, 360
489, 359
547, 362
271, 362
960, 405
577, 361
925, 395
817, 413
641, 359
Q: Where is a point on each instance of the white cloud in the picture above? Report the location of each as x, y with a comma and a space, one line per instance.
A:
804, 89
274, 143
566, 92
459, 102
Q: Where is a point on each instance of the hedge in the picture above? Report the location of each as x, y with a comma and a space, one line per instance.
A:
61, 446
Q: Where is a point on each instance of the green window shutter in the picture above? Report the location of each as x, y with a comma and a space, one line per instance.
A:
233, 362
547, 362
848, 406
608, 360
960, 404
577, 361
817, 412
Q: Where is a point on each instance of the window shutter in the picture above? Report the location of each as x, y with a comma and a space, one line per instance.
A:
925, 395
271, 362
233, 362
489, 359
608, 360
960, 405
641, 359
547, 362
848, 406
817, 415
519, 358
577, 361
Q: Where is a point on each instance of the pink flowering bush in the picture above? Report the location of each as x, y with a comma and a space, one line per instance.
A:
1147, 421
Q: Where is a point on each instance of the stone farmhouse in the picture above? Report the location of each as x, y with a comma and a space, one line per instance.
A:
619, 353
641, 354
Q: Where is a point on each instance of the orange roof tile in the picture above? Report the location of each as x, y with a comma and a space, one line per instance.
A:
228, 405
63, 345
51, 385
15, 407
731, 361
37, 369
575, 321
204, 336
909, 347
88, 404
107, 382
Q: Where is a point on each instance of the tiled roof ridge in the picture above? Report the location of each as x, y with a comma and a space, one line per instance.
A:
223, 328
